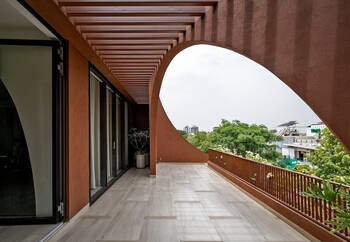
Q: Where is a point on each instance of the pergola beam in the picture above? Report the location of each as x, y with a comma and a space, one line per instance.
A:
131, 47
120, 3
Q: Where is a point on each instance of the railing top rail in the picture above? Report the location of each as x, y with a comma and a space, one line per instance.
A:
276, 167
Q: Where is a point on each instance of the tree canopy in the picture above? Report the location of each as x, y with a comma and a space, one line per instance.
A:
239, 138
183, 133
330, 160
201, 140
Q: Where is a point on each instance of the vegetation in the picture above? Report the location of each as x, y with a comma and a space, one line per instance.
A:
330, 160
183, 133
201, 140
251, 141
139, 140
336, 196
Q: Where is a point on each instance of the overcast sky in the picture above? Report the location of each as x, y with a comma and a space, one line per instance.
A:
204, 84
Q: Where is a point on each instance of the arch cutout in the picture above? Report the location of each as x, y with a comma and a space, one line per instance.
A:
158, 115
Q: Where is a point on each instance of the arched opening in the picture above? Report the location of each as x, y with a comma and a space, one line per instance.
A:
218, 99
156, 105
229, 86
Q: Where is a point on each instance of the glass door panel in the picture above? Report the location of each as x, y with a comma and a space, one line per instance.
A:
26, 134
126, 132
109, 113
95, 152
118, 137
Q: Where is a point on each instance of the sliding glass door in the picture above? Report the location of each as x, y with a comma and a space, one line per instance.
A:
30, 181
107, 135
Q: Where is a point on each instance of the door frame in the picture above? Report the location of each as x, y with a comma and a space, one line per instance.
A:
59, 90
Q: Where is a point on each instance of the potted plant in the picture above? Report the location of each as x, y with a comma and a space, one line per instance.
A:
139, 139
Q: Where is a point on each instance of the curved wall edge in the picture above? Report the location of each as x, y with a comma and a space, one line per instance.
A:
172, 147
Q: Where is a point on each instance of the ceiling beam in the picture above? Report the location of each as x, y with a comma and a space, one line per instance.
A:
132, 28
140, 70
136, 68
132, 52
132, 41
134, 75
131, 47
144, 56
132, 20
119, 3
161, 35
132, 61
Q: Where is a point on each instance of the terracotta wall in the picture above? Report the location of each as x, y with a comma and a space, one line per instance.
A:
78, 132
303, 42
171, 146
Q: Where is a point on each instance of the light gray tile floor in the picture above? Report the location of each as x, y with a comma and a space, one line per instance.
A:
184, 203
25, 233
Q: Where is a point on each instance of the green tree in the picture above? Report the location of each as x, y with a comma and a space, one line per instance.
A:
241, 138
335, 196
331, 160
201, 140
183, 133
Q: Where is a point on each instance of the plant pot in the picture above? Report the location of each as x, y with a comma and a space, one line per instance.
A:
140, 161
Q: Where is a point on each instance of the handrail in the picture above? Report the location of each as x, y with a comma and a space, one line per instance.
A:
296, 172
283, 185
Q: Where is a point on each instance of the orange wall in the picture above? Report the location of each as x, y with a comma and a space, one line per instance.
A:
171, 146
303, 42
78, 132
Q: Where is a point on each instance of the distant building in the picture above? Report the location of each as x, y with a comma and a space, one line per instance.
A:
291, 129
187, 129
298, 141
315, 129
191, 129
194, 129
300, 148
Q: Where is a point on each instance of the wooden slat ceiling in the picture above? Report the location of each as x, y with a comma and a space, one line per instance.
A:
132, 36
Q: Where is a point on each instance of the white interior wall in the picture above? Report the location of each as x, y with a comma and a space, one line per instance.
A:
16, 22
22, 33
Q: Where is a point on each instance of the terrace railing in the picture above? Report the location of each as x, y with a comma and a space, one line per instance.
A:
281, 185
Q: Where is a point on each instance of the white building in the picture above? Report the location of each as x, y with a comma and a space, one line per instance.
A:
300, 148
315, 129
298, 141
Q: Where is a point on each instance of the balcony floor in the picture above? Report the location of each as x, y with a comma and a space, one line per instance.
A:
183, 203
